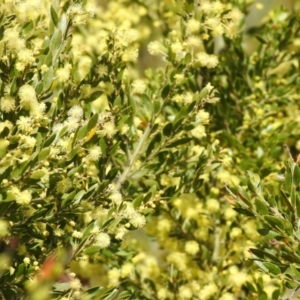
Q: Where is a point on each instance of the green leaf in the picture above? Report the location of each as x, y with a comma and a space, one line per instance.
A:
147, 103
272, 268
165, 91
244, 211
39, 88
274, 221
260, 39
288, 227
295, 271
261, 207
87, 231
20, 169
263, 254
188, 58
156, 106
167, 131
56, 40
242, 194
50, 140
298, 205
74, 152
92, 122
286, 201
296, 175
20, 270
113, 225
179, 142
288, 182
124, 295
94, 96
44, 153
254, 179
250, 287
138, 201
261, 265
109, 295
92, 250
68, 199
10, 292
276, 294
79, 196
81, 133
34, 232
48, 79
94, 291
267, 233
156, 139
39, 214
5, 172
182, 113
37, 174
54, 16
212, 100
132, 104
102, 145
61, 286
139, 173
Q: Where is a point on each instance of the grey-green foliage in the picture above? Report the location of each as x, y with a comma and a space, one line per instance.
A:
276, 204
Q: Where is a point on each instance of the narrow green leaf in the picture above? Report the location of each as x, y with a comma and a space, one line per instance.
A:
272, 268
139, 173
124, 295
156, 106
102, 145
50, 140
244, 211
92, 250
288, 182
298, 205
264, 254
138, 201
93, 96
295, 271
296, 175
20, 169
132, 105
56, 40
260, 39
54, 16
48, 79
261, 265
44, 154
267, 233
288, 227
79, 196
286, 200
92, 122
110, 294
242, 194
68, 199
81, 133
179, 142
274, 221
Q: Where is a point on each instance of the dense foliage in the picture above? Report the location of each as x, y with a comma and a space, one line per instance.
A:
120, 124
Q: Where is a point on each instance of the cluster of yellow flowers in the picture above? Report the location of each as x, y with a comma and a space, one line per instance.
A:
94, 156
